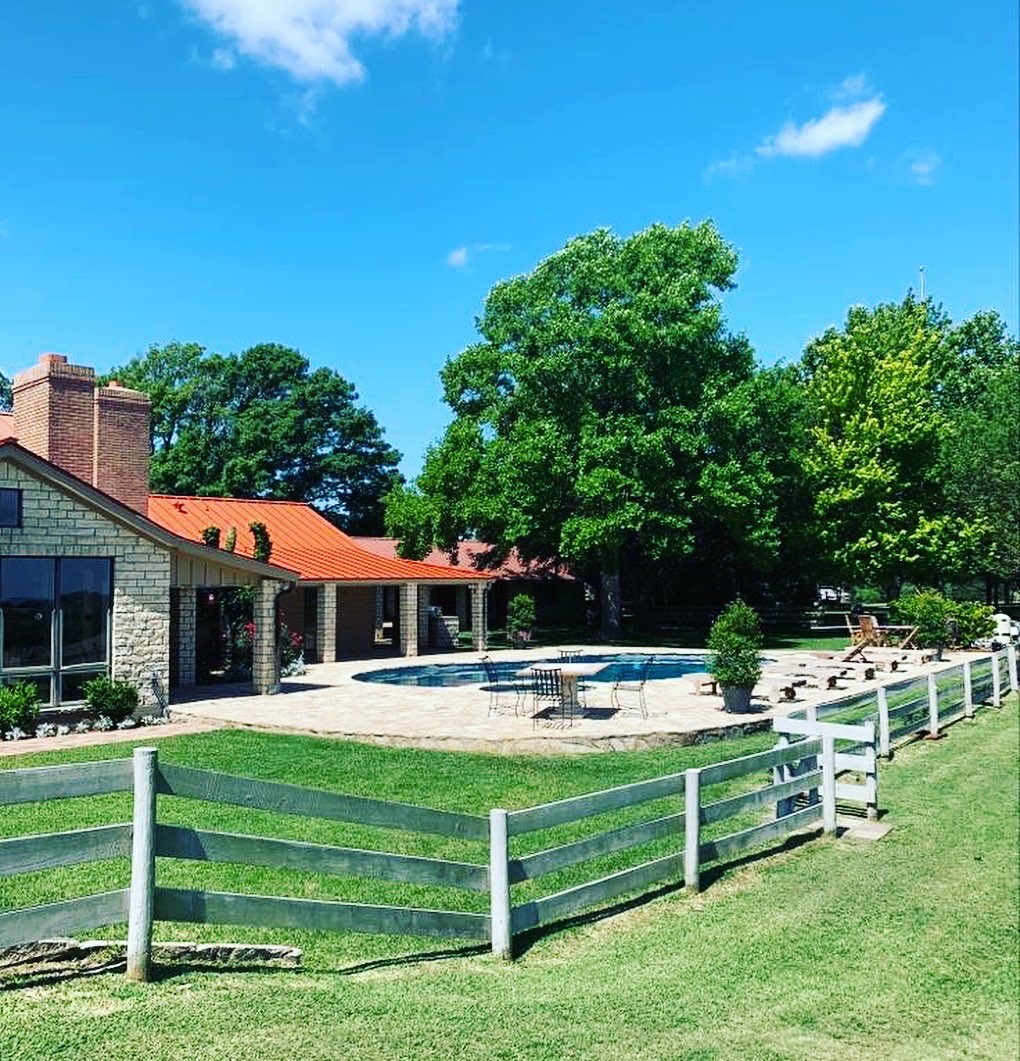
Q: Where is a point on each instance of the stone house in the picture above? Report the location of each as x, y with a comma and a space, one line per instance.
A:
91, 584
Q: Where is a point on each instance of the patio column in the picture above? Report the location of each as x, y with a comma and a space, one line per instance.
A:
464, 606
325, 613
186, 636
424, 600
409, 619
479, 616
379, 613
265, 669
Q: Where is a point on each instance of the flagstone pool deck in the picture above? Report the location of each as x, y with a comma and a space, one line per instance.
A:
329, 702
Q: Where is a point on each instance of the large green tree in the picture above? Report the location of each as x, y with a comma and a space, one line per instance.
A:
979, 395
587, 417
5, 393
263, 423
879, 424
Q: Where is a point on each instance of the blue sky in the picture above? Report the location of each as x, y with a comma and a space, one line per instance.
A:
350, 177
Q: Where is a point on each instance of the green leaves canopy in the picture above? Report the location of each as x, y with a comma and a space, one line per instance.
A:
262, 423
587, 415
875, 440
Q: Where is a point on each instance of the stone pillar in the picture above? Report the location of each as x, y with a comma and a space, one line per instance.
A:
186, 636
409, 619
265, 670
424, 600
379, 613
479, 616
325, 619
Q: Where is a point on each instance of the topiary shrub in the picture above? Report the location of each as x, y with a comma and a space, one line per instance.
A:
19, 706
734, 660
520, 618
109, 698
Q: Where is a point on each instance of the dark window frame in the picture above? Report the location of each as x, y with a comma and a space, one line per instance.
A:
17, 507
57, 670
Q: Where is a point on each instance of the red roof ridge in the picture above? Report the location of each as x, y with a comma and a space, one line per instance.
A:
236, 500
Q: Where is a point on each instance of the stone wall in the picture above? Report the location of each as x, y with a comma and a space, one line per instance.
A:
55, 524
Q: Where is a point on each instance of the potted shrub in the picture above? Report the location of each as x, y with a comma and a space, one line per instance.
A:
520, 619
734, 660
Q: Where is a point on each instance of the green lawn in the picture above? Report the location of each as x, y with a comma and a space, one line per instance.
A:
905, 948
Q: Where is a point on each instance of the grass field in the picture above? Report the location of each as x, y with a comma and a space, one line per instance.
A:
904, 948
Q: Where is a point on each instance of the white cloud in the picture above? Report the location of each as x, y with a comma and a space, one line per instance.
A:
839, 127
734, 166
854, 87
460, 256
311, 39
223, 59
925, 166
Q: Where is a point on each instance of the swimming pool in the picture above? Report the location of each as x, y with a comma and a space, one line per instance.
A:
623, 666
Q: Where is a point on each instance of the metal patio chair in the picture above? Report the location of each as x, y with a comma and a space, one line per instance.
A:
547, 688
503, 690
633, 691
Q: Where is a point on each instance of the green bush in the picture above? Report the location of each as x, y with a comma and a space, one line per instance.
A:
520, 614
734, 644
114, 699
19, 706
941, 621
973, 621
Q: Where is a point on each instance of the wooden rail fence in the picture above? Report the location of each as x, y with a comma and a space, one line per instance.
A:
806, 781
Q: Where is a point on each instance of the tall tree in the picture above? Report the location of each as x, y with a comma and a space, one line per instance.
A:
873, 457
581, 415
263, 423
980, 456
5, 393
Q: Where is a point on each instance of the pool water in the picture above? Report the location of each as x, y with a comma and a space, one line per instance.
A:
623, 666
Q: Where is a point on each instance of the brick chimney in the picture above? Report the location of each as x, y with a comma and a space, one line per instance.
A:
53, 413
99, 434
121, 445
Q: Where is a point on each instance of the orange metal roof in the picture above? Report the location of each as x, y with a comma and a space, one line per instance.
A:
7, 425
302, 540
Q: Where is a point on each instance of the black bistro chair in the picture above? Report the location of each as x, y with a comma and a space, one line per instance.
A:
547, 688
502, 690
632, 690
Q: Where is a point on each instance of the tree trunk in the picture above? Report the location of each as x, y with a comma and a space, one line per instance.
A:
610, 599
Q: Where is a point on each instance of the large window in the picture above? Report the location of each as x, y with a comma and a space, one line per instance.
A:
55, 623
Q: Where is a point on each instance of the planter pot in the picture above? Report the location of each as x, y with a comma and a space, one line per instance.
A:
736, 698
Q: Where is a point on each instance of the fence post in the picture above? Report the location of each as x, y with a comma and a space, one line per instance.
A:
692, 829
883, 723
779, 775
143, 866
968, 690
828, 784
499, 886
1014, 678
933, 708
996, 681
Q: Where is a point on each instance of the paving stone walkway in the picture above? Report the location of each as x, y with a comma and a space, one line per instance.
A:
330, 701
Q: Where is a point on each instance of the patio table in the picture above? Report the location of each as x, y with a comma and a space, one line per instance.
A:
570, 673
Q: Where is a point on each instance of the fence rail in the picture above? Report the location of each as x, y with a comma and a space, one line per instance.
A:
808, 776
